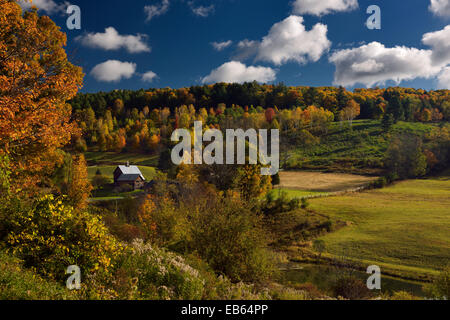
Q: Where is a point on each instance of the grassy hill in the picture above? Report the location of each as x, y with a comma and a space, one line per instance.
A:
112, 158
357, 149
405, 227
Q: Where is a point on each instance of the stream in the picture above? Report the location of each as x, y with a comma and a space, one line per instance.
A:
324, 276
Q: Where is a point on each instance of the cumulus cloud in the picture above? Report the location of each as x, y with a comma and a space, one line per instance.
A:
368, 66
374, 64
49, 6
322, 7
113, 71
149, 76
202, 11
237, 72
288, 41
112, 40
156, 9
439, 41
440, 7
219, 46
444, 79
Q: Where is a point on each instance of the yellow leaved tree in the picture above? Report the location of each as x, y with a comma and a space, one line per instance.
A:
36, 80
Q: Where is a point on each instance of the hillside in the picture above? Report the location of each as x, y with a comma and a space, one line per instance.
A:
357, 149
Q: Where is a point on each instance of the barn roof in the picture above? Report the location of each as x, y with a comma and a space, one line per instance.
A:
129, 173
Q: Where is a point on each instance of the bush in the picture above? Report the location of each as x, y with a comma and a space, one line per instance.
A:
227, 235
380, 183
162, 221
352, 288
440, 288
50, 236
281, 204
305, 203
327, 225
100, 181
276, 180
403, 295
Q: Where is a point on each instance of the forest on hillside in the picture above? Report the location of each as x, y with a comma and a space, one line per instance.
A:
143, 121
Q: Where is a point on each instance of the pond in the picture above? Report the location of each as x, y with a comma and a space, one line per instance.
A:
323, 278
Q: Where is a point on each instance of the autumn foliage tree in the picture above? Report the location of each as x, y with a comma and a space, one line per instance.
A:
79, 187
351, 111
36, 80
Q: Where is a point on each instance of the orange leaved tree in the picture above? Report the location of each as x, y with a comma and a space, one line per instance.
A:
36, 80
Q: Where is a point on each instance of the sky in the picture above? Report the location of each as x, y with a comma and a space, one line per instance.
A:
178, 43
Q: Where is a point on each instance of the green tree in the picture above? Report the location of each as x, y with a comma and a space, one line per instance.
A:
405, 157
387, 122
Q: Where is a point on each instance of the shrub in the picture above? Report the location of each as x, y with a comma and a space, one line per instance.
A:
282, 204
289, 294
440, 288
163, 222
349, 287
305, 203
327, 225
227, 235
100, 181
50, 236
276, 180
380, 183
403, 295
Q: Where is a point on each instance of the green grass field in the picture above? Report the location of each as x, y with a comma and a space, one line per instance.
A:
112, 158
359, 149
404, 227
292, 194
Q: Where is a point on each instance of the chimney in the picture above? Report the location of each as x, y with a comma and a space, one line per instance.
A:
128, 163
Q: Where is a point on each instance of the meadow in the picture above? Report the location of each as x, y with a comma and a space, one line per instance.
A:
404, 228
113, 158
357, 149
320, 182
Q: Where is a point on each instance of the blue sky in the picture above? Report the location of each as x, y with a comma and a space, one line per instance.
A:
173, 39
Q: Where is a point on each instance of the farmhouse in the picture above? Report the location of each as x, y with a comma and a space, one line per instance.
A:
129, 175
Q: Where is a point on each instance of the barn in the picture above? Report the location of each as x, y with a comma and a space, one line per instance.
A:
129, 175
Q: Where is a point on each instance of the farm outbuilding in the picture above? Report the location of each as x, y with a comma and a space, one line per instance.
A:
129, 175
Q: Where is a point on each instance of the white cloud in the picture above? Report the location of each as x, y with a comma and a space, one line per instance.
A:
202, 11
237, 72
439, 41
288, 41
440, 7
367, 66
149, 76
219, 46
321, 7
444, 79
156, 10
49, 6
374, 64
246, 49
112, 40
113, 71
